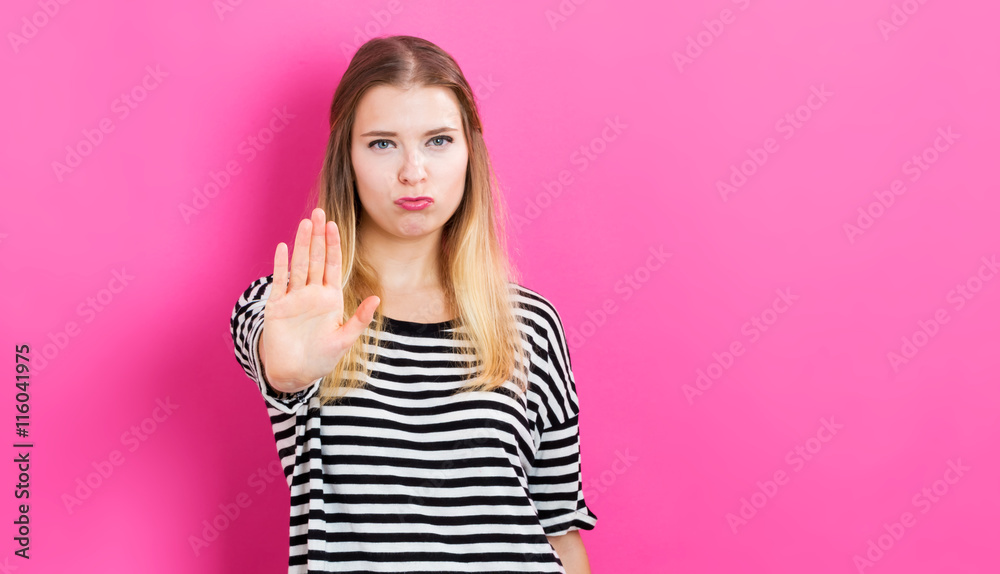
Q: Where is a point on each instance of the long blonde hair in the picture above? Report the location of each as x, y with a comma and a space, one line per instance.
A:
475, 268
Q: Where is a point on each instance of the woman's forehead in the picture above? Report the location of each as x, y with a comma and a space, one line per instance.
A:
410, 112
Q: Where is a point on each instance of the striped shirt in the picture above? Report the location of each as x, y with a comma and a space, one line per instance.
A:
403, 476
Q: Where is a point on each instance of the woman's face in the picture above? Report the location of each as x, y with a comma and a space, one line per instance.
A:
409, 144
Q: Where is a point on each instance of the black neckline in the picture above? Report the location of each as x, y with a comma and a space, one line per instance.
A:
400, 326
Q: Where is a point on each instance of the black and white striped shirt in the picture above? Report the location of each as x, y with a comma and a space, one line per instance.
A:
401, 476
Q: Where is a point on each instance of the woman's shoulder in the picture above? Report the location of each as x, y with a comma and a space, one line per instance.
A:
537, 311
556, 384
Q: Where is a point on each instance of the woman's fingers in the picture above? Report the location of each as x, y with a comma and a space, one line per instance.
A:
280, 279
317, 247
300, 255
333, 276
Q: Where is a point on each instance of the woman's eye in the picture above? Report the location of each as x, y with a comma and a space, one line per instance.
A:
378, 142
446, 138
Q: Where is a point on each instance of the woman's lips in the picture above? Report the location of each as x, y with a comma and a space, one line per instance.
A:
414, 203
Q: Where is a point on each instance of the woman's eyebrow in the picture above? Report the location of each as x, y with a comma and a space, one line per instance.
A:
382, 133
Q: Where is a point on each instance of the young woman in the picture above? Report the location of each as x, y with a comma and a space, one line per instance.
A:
422, 399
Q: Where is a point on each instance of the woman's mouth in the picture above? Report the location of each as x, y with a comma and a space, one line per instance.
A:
414, 203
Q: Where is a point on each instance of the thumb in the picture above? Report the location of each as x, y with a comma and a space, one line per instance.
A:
358, 322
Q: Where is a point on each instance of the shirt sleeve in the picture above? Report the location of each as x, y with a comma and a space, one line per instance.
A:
246, 325
555, 481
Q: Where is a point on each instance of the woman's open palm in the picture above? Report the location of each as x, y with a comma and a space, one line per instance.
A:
304, 334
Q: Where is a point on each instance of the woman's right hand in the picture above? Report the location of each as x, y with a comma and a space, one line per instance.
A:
304, 335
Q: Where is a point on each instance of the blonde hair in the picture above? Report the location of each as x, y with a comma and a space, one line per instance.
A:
475, 268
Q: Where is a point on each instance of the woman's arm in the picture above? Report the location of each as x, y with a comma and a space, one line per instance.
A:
569, 546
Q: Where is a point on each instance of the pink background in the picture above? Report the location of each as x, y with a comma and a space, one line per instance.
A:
667, 476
